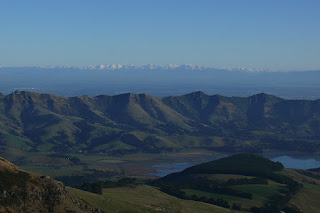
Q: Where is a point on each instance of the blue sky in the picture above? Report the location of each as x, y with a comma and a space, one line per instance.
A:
275, 34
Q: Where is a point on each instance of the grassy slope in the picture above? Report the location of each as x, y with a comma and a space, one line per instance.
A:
245, 203
143, 199
261, 193
307, 199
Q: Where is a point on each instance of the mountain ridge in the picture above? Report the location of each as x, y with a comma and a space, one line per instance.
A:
84, 124
109, 67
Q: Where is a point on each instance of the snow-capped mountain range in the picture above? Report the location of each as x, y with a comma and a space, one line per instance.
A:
148, 67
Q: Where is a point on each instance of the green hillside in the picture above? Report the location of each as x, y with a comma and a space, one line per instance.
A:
142, 199
245, 182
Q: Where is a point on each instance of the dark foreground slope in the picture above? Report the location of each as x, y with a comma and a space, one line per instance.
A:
248, 183
21, 191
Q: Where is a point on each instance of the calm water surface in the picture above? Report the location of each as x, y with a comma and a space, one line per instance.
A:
297, 163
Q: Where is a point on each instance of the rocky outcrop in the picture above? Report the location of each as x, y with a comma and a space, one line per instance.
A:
21, 191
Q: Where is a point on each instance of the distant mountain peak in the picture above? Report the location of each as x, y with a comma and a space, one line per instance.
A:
101, 67
126, 95
263, 97
197, 93
262, 94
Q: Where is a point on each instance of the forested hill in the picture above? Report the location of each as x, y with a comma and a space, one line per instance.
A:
129, 123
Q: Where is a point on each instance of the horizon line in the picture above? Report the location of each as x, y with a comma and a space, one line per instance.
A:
132, 93
157, 66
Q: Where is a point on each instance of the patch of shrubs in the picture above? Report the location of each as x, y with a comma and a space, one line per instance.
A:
172, 190
97, 187
78, 180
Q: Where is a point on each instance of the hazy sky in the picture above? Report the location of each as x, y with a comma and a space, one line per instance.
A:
280, 34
